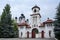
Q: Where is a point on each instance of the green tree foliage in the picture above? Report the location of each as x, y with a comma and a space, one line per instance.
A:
15, 28
6, 28
57, 23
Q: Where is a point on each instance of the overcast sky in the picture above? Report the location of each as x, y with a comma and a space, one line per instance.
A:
48, 7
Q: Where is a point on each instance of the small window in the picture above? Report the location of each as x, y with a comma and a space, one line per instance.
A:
34, 10
21, 27
50, 33
21, 34
35, 19
34, 25
49, 24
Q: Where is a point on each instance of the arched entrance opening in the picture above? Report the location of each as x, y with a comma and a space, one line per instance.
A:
34, 32
42, 34
27, 34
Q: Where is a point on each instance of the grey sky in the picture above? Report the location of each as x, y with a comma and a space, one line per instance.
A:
48, 7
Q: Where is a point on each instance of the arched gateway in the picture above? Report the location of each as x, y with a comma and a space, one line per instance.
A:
34, 32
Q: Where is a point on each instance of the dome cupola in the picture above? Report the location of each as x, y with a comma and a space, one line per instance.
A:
35, 7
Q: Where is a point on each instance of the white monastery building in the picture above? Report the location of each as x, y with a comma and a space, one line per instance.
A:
35, 29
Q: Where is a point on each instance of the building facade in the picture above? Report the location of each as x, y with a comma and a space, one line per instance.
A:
35, 29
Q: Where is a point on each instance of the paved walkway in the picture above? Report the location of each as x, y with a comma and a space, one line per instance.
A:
27, 39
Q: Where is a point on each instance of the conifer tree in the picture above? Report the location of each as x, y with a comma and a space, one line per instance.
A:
6, 29
57, 23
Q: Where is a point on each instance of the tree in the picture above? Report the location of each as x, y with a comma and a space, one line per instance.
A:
6, 29
15, 27
57, 23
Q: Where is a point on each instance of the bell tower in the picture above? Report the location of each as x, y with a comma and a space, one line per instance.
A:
35, 17
35, 9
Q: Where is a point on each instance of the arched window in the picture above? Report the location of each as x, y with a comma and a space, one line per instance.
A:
50, 24
34, 10
49, 33
21, 34
35, 20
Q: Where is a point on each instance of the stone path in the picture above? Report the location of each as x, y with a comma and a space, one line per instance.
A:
27, 39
